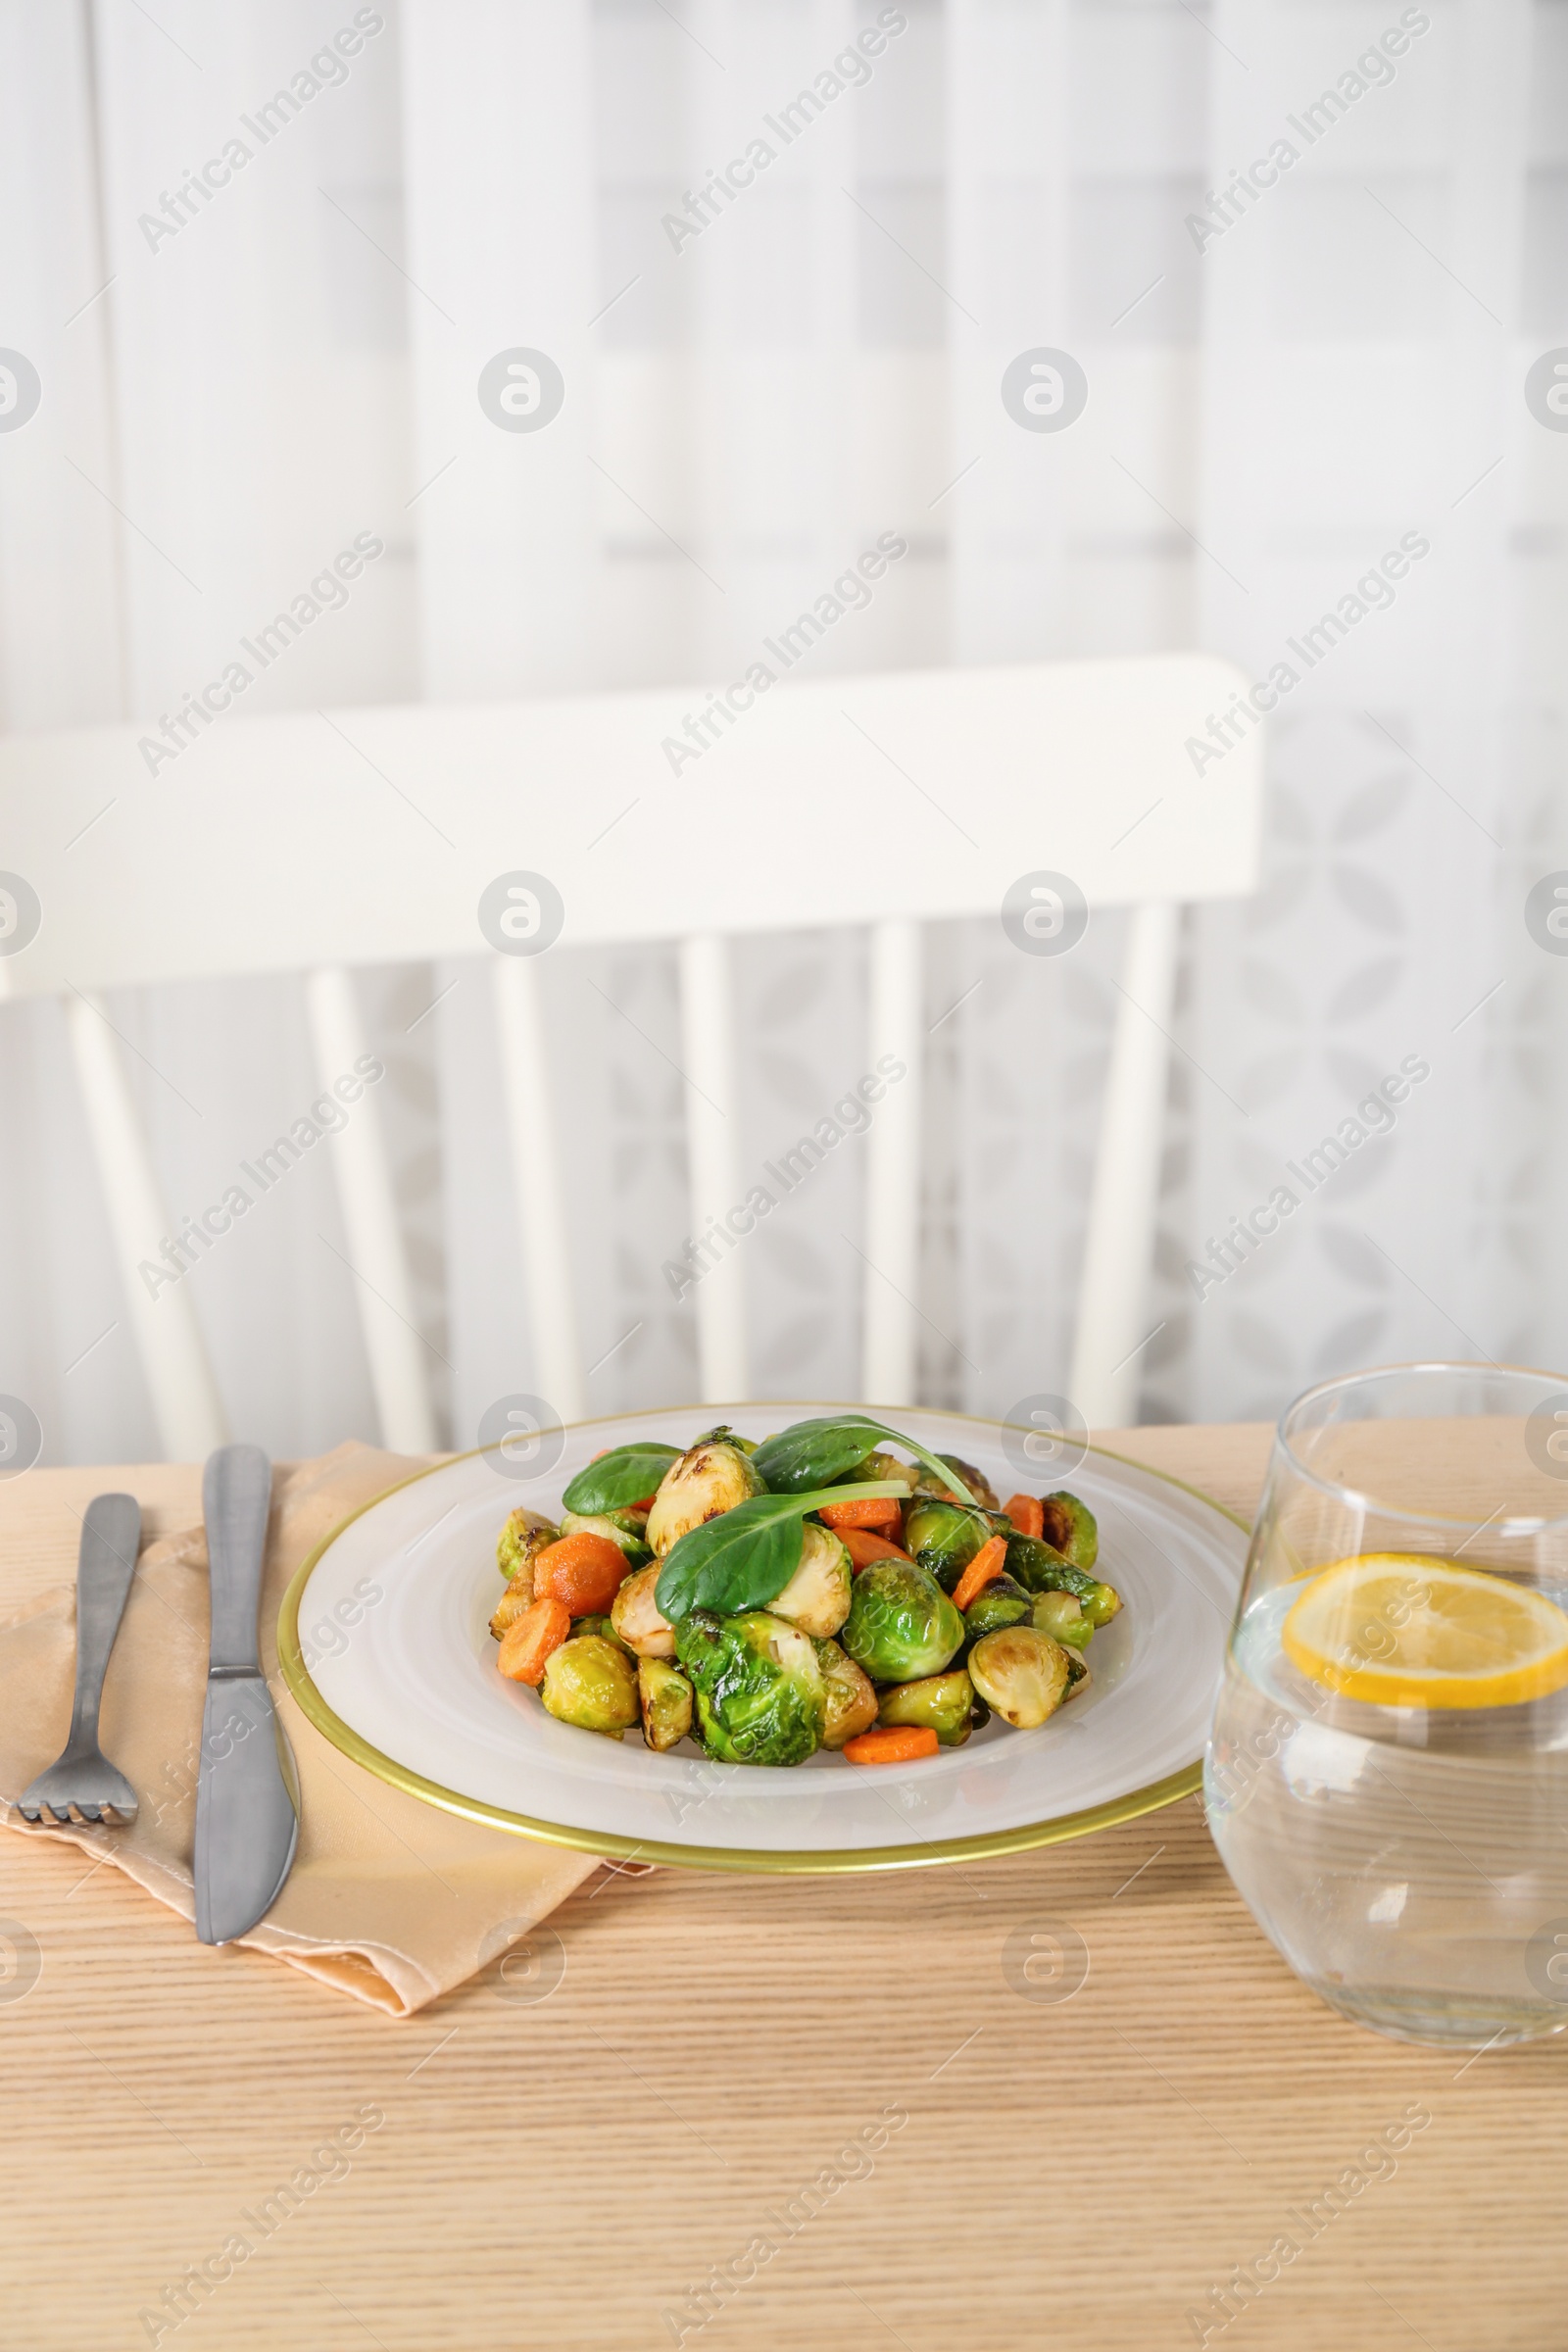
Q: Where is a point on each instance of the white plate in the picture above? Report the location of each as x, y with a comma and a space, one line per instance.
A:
382, 1639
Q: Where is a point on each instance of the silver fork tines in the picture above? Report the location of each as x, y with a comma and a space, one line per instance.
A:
83, 1785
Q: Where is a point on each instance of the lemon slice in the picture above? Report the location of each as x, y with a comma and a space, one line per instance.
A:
1404, 1630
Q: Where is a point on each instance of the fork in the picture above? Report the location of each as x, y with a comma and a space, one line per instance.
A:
84, 1785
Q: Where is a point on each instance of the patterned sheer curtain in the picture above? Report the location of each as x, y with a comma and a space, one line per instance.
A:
781, 253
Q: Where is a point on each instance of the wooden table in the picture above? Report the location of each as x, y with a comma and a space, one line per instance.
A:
1079, 2173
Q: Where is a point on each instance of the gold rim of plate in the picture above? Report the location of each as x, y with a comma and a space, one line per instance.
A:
807, 1863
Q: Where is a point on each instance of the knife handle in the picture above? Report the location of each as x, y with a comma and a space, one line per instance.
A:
105, 1565
236, 1496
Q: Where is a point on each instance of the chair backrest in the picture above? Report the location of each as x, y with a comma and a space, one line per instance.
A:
314, 841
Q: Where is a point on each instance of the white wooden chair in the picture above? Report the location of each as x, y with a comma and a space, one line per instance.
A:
288, 844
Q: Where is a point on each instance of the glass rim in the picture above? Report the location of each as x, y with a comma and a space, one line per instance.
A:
1532, 1524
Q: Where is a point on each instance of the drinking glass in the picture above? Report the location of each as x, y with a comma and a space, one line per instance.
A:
1387, 1778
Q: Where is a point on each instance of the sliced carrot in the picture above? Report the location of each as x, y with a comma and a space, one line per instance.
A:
876, 1510
1028, 1514
585, 1571
863, 1546
989, 1562
892, 1744
527, 1644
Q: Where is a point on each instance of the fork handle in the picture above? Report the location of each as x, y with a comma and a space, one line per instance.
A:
110, 1534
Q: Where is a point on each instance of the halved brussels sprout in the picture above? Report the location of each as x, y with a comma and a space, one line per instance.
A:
900, 1623
1021, 1674
666, 1703
944, 1537
1061, 1616
514, 1602
593, 1683
979, 1487
1101, 1603
1040, 1568
622, 1528
943, 1701
850, 1698
758, 1685
816, 1597
635, 1615
712, 1476
723, 1434
1079, 1676
1070, 1528
887, 1467
525, 1535
998, 1604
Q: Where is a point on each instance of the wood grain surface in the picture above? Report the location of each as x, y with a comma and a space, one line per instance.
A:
562, 2170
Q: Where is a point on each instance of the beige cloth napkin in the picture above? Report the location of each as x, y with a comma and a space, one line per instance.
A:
389, 1899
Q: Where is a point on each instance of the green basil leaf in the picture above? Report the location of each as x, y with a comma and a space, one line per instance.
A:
813, 1453
744, 1558
817, 1452
741, 1561
616, 1479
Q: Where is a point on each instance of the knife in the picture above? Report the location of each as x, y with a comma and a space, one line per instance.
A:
247, 1792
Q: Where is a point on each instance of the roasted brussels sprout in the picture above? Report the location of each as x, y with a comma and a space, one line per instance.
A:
998, 1604
944, 1537
525, 1535
724, 1435
1101, 1603
816, 1597
979, 1487
1070, 1528
1079, 1676
1021, 1674
900, 1623
887, 1467
605, 1627
1061, 1616
712, 1477
666, 1703
514, 1602
624, 1528
593, 1683
850, 1698
1040, 1568
758, 1685
944, 1702
635, 1615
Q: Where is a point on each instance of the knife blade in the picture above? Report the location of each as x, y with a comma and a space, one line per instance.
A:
247, 1791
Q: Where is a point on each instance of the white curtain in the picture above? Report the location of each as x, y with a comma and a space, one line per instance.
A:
1286, 382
